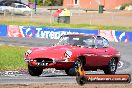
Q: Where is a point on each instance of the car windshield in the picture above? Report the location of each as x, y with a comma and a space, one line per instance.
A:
76, 40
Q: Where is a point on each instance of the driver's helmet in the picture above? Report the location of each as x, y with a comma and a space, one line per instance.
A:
90, 42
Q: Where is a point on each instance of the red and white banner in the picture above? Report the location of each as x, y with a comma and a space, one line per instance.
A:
114, 36
55, 33
13, 31
107, 34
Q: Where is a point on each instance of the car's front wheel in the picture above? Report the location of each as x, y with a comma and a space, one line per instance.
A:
73, 71
111, 68
34, 71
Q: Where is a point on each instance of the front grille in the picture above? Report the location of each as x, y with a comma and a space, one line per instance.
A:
46, 60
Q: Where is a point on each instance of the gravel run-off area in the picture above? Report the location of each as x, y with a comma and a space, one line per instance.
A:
65, 86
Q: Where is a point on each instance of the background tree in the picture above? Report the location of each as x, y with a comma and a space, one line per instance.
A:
44, 2
49, 2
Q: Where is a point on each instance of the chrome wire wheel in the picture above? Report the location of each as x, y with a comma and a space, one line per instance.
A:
113, 65
78, 64
74, 70
111, 68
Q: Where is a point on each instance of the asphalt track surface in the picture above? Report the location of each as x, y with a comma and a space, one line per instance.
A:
56, 76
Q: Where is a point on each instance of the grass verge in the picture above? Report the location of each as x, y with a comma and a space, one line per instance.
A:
60, 25
11, 58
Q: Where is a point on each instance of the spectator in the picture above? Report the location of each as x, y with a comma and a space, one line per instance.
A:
64, 16
56, 14
65, 12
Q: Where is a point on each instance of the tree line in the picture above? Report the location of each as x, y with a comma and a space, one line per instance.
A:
48, 2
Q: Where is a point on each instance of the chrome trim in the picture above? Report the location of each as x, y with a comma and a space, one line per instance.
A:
28, 60
54, 62
63, 61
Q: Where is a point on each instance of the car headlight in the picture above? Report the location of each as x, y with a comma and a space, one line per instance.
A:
28, 52
68, 54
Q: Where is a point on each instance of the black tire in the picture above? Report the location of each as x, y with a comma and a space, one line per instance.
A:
111, 68
34, 71
67, 71
73, 71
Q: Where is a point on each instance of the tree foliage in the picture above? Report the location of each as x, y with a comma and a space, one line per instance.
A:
48, 2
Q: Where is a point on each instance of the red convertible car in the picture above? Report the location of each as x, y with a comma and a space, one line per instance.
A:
89, 51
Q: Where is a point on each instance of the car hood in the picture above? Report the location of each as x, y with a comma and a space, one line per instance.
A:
55, 52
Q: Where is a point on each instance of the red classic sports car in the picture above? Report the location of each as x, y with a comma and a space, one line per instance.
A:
89, 51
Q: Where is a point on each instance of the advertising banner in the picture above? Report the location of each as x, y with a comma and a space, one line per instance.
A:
116, 36
56, 33
13, 31
129, 36
51, 33
28, 31
107, 34
3, 30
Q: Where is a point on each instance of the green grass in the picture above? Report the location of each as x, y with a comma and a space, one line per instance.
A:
11, 58
60, 25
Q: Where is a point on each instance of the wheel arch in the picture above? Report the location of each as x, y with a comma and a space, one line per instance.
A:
116, 58
83, 59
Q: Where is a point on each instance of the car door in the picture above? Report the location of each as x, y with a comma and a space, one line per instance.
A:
24, 8
91, 53
102, 51
99, 55
17, 9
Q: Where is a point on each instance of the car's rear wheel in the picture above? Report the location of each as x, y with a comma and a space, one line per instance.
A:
73, 71
34, 71
111, 68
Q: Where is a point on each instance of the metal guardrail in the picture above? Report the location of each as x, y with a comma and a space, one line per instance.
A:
78, 16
